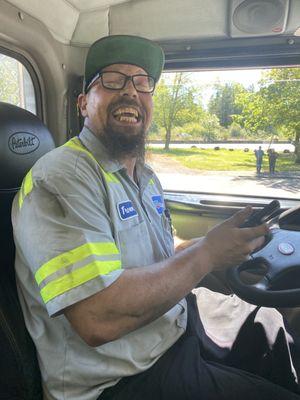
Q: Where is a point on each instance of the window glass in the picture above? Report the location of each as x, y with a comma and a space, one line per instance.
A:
16, 86
233, 132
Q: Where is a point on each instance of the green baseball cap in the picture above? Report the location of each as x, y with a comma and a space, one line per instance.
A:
123, 49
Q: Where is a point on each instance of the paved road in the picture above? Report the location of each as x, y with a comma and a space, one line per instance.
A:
285, 185
174, 176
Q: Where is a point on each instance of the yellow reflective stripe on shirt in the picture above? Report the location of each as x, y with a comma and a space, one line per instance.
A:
75, 144
77, 278
21, 198
74, 256
151, 182
109, 177
26, 187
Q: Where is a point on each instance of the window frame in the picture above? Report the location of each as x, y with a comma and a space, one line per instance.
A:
258, 52
33, 75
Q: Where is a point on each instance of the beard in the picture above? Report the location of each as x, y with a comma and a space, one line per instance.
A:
124, 141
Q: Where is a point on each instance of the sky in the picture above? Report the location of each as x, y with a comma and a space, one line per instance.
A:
206, 79
245, 77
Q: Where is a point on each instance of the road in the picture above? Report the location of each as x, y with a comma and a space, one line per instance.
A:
277, 185
174, 176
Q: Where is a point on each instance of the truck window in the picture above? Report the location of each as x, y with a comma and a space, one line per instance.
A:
228, 131
16, 86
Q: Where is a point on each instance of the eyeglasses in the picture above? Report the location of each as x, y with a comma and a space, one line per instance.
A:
114, 80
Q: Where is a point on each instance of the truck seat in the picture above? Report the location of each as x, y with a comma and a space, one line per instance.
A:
23, 139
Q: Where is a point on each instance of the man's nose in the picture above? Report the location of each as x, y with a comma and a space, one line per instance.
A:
129, 89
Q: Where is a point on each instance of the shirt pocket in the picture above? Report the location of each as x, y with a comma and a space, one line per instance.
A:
135, 246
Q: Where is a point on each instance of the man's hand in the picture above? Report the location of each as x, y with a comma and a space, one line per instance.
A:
228, 245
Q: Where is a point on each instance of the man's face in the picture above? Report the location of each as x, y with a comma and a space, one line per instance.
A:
122, 115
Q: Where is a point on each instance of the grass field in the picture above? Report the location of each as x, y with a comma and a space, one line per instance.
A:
226, 160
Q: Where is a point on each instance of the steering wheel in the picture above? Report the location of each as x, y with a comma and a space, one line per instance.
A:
278, 265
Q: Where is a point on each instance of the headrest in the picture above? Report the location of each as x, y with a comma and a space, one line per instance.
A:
23, 140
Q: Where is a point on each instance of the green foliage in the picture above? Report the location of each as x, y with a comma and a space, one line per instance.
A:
175, 103
9, 84
254, 116
275, 106
223, 102
154, 128
206, 129
209, 127
192, 129
280, 91
235, 130
269, 111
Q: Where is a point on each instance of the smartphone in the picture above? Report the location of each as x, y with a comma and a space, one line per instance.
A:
258, 217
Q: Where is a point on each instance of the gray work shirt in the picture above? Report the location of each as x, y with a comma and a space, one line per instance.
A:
79, 221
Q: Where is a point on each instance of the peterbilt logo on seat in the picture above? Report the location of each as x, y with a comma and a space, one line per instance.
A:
23, 142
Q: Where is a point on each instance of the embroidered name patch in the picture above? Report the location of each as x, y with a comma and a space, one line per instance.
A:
158, 203
126, 210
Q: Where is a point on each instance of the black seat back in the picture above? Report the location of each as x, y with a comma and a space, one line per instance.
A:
23, 139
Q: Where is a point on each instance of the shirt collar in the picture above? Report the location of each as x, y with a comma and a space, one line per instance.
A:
96, 147
144, 173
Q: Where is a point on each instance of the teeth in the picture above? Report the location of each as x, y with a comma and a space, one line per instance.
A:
124, 118
126, 110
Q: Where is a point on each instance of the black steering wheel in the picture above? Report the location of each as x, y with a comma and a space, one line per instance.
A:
277, 264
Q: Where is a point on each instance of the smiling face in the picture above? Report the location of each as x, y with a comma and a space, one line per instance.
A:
120, 118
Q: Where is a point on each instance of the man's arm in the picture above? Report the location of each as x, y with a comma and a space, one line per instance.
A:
140, 295
181, 244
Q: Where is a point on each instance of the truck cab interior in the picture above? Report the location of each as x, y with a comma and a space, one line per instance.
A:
43, 45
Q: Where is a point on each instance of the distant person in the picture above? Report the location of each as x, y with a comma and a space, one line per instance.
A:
272, 160
259, 154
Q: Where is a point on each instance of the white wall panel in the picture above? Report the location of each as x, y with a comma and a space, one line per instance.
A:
86, 5
90, 27
161, 19
53, 14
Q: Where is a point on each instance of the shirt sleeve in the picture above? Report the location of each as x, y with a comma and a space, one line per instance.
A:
65, 234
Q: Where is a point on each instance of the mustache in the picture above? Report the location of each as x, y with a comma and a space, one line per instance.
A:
127, 103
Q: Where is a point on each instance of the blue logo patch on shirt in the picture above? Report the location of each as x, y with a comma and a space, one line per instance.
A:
158, 203
126, 210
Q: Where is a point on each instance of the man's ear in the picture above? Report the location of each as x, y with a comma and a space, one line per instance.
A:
82, 104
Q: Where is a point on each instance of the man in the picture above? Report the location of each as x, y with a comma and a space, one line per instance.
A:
95, 253
272, 155
259, 154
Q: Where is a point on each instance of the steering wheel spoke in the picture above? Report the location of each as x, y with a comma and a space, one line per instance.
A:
278, 262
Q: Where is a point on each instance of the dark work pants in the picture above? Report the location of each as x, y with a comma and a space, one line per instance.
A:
185, 372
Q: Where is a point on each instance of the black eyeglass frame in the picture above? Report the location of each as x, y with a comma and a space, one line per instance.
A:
127, 78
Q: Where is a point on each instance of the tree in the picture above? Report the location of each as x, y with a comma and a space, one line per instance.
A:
275, 105
222, 103
253, 116
281, 95
210, 127
175, 103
